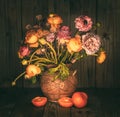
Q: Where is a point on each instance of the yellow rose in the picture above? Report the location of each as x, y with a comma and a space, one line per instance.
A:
32, 70
74, 44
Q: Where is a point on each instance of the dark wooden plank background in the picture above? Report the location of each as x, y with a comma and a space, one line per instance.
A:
16, 14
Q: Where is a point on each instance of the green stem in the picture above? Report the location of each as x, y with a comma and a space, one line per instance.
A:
32, 56
64, 58
18, 77
71, 55
55, 55
41, 60
46, 55
58, 48
94, 55
76, 32
51, 54
42, 64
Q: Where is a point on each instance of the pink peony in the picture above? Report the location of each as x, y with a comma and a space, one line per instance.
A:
83, 23
91, 43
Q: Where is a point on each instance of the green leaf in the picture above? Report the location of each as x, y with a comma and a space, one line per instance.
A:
61, 70
33, 79
53, 70
64, 71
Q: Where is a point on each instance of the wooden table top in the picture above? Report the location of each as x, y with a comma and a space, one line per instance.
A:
16, 102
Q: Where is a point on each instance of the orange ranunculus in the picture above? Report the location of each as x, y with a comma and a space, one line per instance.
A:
41, 33
45, 32
74, 44
34, 45
55, 21
101, 58
32, 70
54, 28
62, 41
31, 37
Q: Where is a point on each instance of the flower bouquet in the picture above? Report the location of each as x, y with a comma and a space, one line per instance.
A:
52, 46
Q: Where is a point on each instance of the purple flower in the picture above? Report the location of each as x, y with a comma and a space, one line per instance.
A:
64, 33
50, 37
91, 43
83, 23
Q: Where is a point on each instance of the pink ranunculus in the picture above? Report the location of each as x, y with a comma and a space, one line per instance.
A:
64, 33
91, 43
83, 23
50, 37
23, 51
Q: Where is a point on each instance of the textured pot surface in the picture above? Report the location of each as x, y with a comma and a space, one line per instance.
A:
54, 90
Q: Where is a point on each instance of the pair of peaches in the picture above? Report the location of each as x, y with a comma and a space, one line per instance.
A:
78, 99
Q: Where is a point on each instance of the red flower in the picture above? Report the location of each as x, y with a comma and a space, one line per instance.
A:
23, 51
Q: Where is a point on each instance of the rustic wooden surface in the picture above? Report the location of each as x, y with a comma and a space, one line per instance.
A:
16, 102
16, 14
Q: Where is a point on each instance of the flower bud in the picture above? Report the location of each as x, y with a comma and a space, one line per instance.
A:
42, 41
13, 83
24, 62
101, 58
